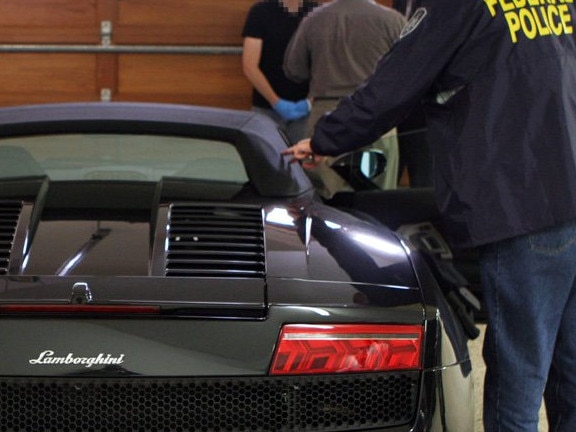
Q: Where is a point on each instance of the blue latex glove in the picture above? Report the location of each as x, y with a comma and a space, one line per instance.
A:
303, 107
292, 110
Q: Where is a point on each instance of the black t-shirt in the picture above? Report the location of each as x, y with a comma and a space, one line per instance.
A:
268, 20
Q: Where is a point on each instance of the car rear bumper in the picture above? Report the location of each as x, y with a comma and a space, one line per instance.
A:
399, 401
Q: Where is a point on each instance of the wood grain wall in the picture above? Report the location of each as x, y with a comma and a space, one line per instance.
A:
30, 75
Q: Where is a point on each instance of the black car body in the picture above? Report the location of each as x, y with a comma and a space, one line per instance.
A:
165, 268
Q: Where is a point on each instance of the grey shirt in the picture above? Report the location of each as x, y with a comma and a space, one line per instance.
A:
338, 45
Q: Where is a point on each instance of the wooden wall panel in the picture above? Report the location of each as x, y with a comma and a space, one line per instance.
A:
49, 21
214, 80
192, 22
39, 78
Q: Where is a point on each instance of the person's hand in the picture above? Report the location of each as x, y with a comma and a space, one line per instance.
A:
302, 152
304, 107
291, 111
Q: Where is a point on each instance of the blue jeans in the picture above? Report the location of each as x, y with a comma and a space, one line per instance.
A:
529, 290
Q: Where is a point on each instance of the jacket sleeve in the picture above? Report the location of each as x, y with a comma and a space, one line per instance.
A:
407, 74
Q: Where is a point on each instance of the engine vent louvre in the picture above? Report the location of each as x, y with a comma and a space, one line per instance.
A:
9, 215
215, 241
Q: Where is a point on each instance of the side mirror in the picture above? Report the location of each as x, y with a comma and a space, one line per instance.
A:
361, 169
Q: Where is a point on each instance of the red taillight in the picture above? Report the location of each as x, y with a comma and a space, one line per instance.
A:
318, 349
77, 309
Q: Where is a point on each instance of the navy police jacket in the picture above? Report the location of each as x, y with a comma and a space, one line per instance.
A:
498, 78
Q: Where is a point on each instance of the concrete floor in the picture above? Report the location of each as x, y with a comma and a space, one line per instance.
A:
478, 370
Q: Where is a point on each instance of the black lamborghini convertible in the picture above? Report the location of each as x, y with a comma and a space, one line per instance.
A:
165, 268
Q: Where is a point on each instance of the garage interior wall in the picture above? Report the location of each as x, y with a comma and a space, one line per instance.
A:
177, 51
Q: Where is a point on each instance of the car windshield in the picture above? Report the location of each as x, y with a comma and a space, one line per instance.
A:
119, 157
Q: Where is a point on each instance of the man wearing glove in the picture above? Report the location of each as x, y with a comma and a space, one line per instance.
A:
268, 28
499, 81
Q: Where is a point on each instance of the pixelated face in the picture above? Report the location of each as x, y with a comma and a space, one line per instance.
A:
292, 6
